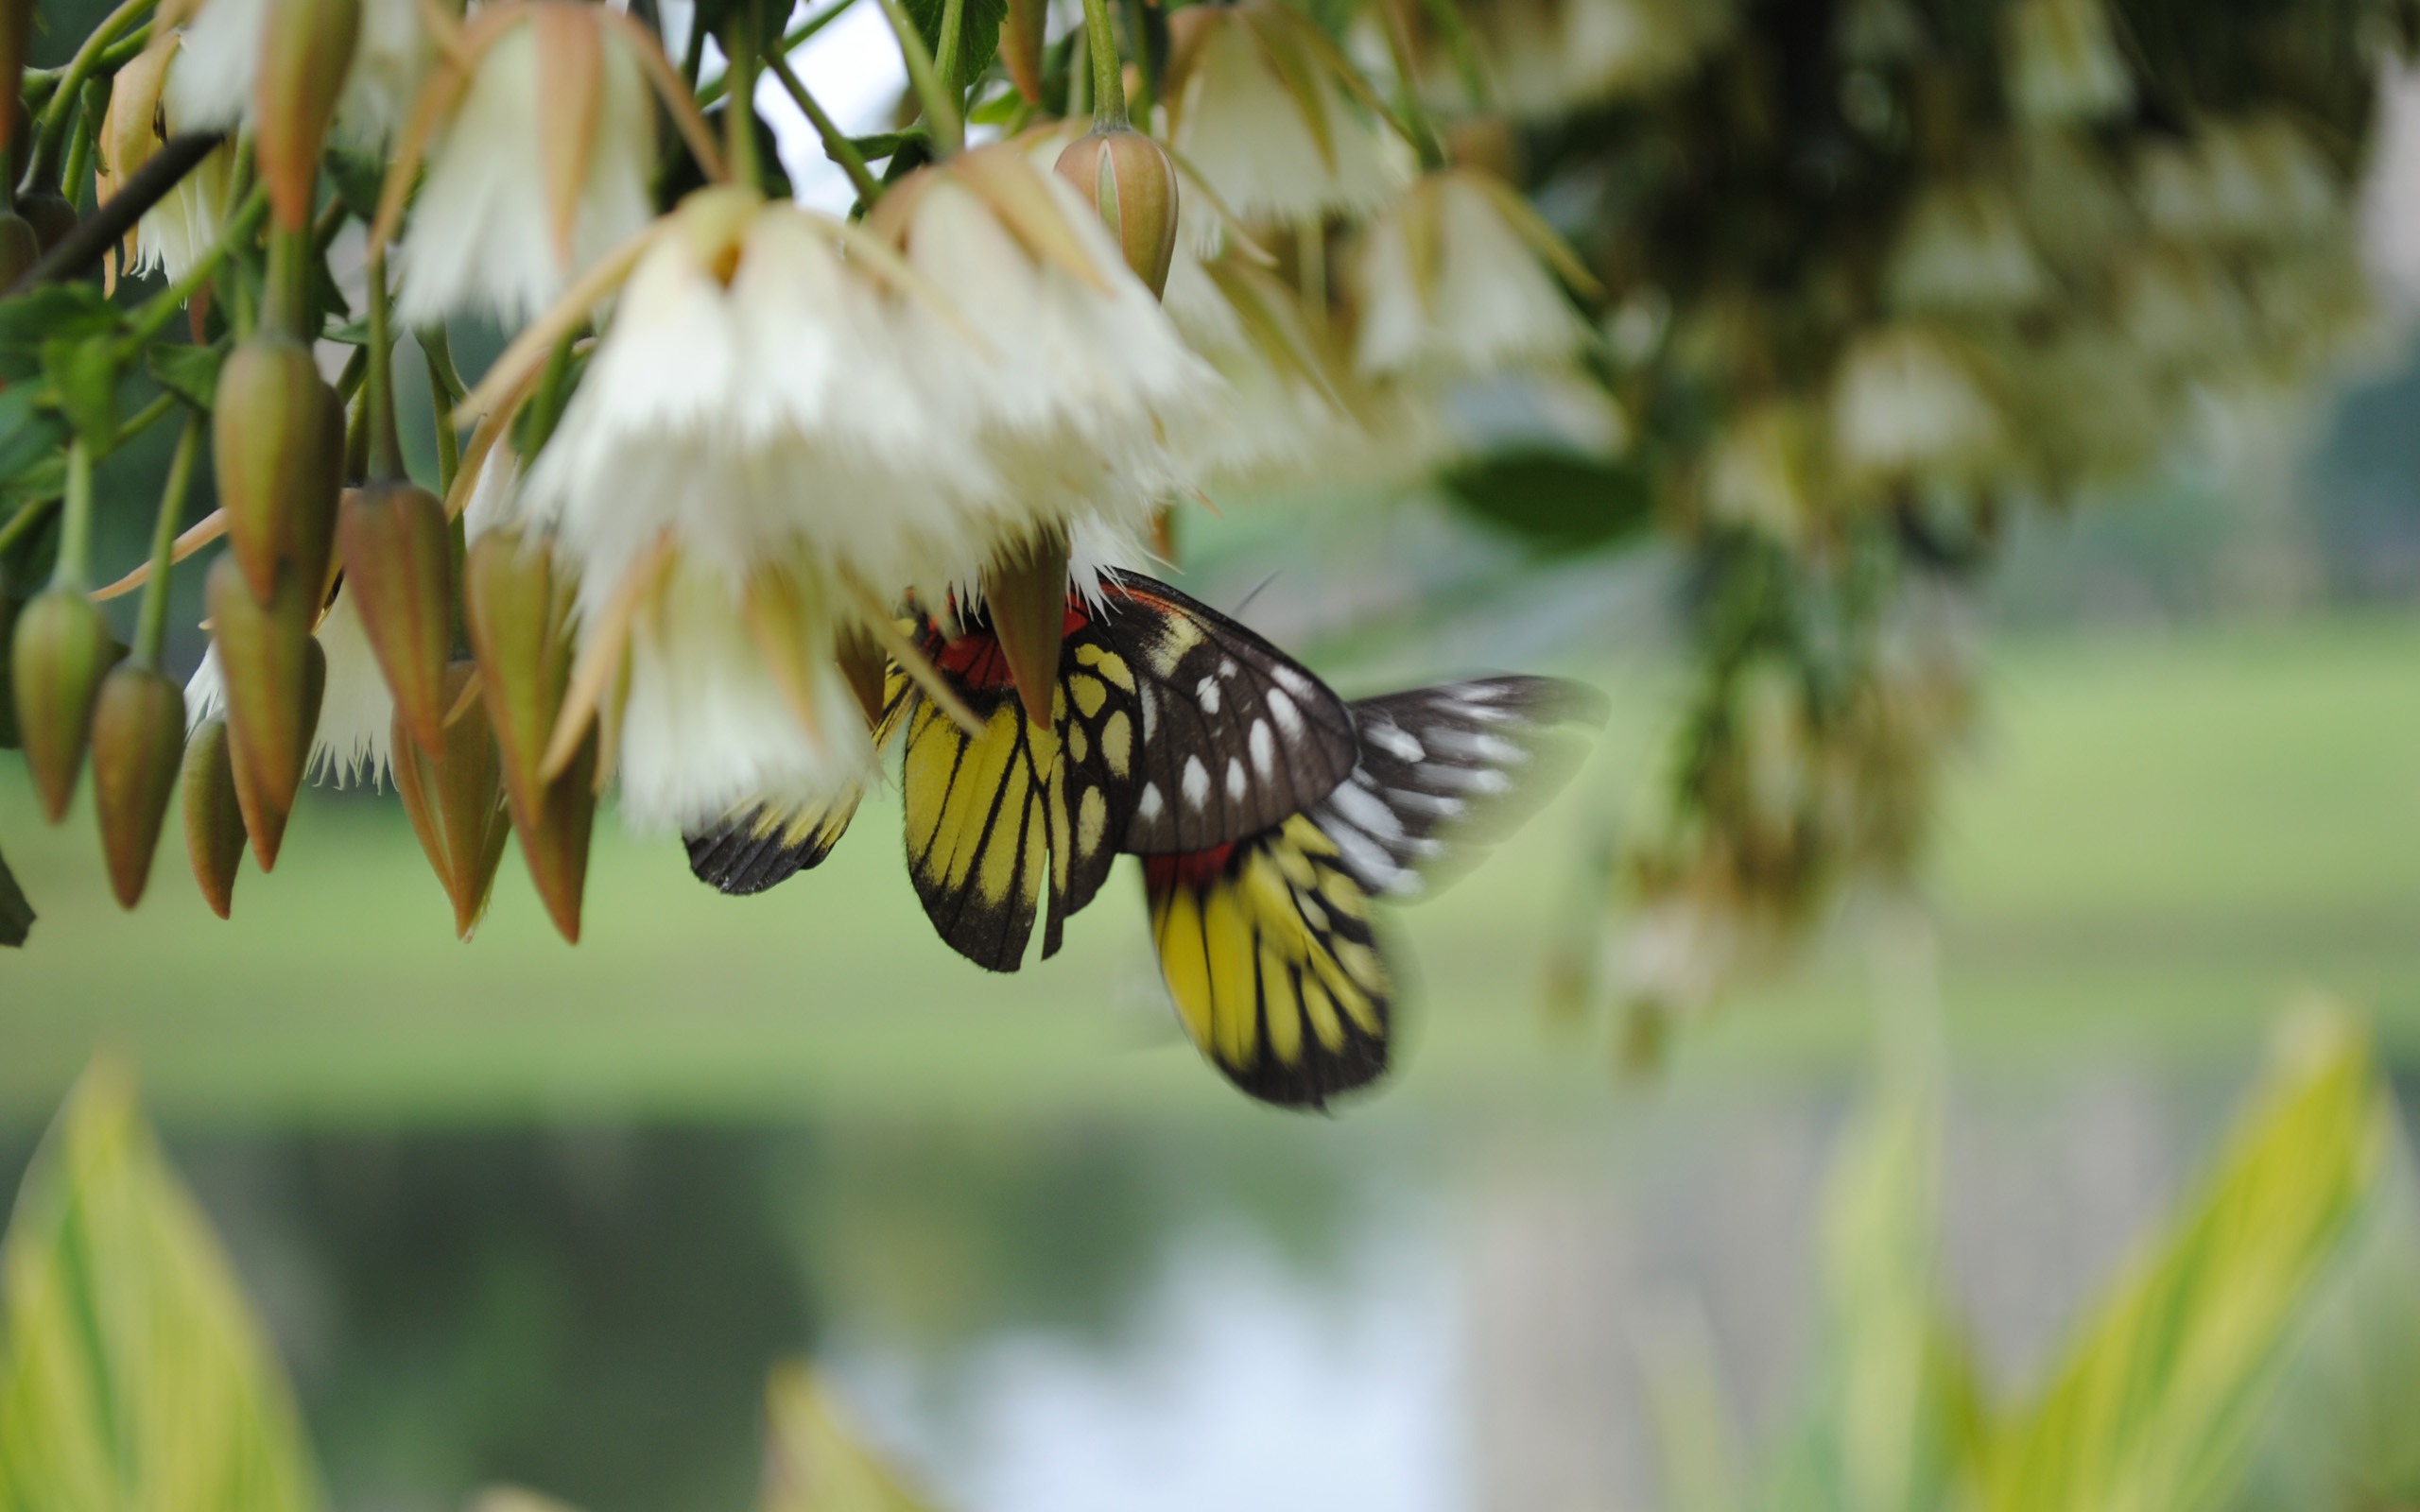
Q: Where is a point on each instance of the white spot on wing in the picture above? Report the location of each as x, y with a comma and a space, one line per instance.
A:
1151, 709
1288, 718
1482, 747
1206, 692
1264, 749
1150, 804
1197, 781
1290, 680
1394, 740
1237, 782
1227, 667
1364, 857
1366, 811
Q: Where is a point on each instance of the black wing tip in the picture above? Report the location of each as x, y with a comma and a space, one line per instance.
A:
1308, 1087
738, 858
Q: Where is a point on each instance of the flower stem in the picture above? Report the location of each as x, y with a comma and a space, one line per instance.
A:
285, 297
1411, 116
20, 524
945, 58
1109, 74
445, 390
41, 84
941, 103
836, 145
151, 622
792, 41
67, 100
79, 141
76, 519
385, 452
741, 43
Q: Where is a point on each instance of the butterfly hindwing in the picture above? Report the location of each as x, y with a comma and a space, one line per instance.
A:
1446, 771
1268, 950
1231, 735
978, 824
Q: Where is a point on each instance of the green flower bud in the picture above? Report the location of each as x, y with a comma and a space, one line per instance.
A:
49, 214
518, 610
277, 440
398, 556
57, 657
262, 653
138, 741
307, 50
455, 800
1128, 176
213, 815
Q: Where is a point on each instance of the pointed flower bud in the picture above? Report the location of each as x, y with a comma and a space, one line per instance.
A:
213, 815
398, 571
138, 743
262, 652
58, 656
1128, 176
1026, 592
456, 799
277, 439
553, 838
307, 50
518, 608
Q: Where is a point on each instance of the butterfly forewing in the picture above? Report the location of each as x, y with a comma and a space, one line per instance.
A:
1233, 735
766, 844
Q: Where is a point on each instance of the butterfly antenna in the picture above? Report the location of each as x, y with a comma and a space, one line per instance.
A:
1245, 602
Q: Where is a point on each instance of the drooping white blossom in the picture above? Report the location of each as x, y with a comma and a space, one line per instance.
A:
534, 175
352, 741
1276, 145
1449, 282
1906, 403
211, 85
175, 232
2064, 64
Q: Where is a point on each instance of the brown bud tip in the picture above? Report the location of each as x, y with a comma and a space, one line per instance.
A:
307, 50
1021, 46
19, 248
867, 669
277, 441
1027, 595
56, 658
262, 656
518, 609
138, 741
1128, 176
455, 797
213, 815
553, 838
398, 568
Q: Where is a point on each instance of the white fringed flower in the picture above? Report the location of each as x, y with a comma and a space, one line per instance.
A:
541, 169
1455, 279
211, 85
176, 232
1906, 404
2258, 181
706, 727
351, 744
1760, 474
2062, 62
1058, 362
1288, 413
1963, 251
1277, 144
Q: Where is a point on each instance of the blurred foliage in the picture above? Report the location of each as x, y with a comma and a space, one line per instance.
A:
135, 1375
2276, 1267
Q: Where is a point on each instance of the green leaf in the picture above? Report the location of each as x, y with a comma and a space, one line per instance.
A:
191, 373
881, 145
979, 34
16, 915
83, 377
135, 1374
28, 432
2155, 1406
55, 311
1556, 500
814, 1461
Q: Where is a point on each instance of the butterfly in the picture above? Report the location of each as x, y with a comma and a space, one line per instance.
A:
1268, 812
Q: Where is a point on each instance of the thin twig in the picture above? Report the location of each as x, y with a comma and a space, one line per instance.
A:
836, 145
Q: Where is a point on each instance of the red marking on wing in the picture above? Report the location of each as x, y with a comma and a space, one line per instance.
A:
975, 659
1191, 869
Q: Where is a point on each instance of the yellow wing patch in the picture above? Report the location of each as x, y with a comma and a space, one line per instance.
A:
1266, 949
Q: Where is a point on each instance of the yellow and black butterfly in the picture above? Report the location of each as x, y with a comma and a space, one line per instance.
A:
1266, 810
